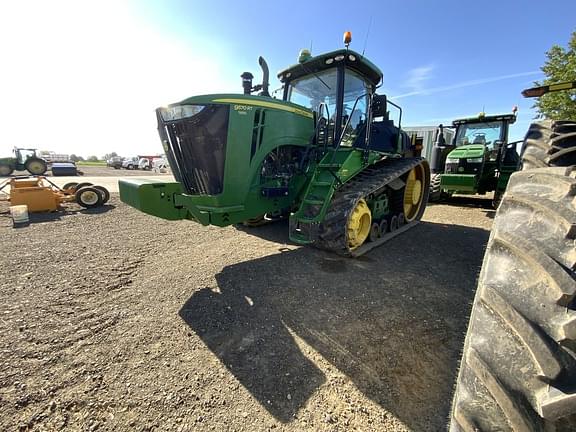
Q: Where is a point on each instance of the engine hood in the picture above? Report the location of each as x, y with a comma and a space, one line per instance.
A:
468, 151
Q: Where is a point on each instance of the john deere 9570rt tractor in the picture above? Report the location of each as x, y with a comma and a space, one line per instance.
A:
478, 160
327, 155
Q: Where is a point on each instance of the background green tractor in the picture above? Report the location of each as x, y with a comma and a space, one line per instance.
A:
327, 155
24, 159
478, 160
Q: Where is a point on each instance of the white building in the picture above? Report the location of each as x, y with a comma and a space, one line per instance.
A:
428, 135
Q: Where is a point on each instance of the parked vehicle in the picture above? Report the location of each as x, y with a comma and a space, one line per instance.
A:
23, 159
160, 165
130, 163
144, 164
114, 162
478, 160
52, 157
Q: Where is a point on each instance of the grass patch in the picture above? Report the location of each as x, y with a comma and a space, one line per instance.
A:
91, 163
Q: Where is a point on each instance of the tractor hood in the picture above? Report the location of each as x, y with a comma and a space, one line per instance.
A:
468, 152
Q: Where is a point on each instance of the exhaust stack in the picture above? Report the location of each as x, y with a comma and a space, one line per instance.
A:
247, 80
265, 76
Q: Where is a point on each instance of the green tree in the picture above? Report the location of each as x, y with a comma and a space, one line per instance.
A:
93, 159
110, 155
75, 158
560, 67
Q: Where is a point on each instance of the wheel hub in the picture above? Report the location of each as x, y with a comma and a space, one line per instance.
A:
359, 224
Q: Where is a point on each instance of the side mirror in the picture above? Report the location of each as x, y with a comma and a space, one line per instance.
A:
379, 106
498, 143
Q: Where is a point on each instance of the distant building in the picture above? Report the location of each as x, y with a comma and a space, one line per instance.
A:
428, 135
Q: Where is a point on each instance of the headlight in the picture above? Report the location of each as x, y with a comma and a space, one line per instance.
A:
475, 160
451, 161
180, 111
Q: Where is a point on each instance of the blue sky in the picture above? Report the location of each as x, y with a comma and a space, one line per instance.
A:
91, 73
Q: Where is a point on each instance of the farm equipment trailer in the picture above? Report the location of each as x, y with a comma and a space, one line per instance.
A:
327, 155
39, 194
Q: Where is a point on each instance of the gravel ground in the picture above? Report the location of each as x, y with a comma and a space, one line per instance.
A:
114, 320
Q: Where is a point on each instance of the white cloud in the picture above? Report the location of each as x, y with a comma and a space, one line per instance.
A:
470, 83
85, 78
418, 77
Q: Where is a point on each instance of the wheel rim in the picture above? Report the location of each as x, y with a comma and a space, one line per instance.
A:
89, 197
414, 193
359, 224
36, 167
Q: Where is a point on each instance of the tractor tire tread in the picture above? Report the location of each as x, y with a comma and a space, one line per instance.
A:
518, 370
549, 143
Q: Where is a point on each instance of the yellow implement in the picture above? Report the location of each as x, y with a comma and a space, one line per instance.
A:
41, 195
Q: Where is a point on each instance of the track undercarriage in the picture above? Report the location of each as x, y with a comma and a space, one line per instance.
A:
353, 225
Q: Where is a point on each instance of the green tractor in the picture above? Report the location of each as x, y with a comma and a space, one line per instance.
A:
327, 155
24, 159
478, 160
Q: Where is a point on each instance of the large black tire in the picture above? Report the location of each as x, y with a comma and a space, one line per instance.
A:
72, 186
435, 191
105, 193
36, 166
83, 184
6, 169
518, 371
89, 197
549, 143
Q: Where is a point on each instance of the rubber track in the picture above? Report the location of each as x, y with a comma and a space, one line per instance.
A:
333, 230
518, 371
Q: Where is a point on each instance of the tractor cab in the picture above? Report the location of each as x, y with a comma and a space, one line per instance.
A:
339, 88
22, 154
478, 141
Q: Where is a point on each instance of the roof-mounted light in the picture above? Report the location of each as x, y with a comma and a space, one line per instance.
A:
347, 38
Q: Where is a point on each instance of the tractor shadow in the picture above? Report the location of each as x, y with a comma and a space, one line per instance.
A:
393, 321
274, 231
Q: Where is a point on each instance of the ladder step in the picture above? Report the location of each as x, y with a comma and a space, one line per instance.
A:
322, 183
329, 165
313, 201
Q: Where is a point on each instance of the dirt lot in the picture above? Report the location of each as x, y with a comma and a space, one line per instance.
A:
115, 320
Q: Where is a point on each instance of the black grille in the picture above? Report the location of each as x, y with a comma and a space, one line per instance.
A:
196, 148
